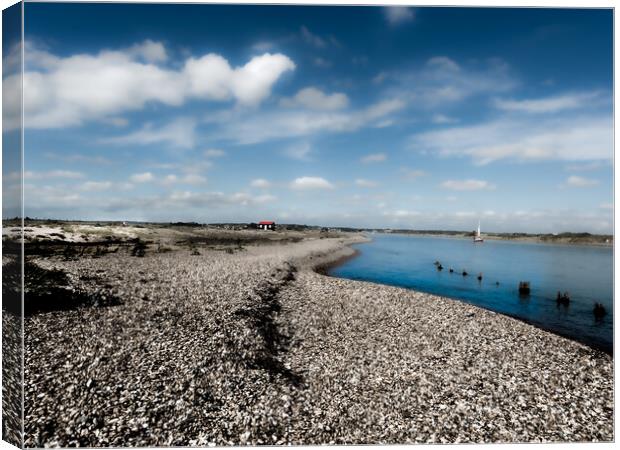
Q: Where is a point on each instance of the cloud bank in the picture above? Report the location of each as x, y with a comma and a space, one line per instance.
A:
68, 91
524, 139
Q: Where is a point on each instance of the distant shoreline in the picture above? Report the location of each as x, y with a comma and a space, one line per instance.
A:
564, 238
526, 239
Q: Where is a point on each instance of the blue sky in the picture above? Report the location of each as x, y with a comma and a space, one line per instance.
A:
340, 116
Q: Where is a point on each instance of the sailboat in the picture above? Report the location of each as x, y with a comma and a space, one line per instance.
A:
477, 237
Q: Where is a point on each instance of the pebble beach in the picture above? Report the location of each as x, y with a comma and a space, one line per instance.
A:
258, 347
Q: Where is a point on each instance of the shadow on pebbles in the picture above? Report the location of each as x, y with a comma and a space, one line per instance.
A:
254, 347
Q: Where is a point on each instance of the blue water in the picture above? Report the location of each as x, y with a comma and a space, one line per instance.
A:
585, 272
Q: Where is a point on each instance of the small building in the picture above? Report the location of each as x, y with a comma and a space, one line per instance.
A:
267, 225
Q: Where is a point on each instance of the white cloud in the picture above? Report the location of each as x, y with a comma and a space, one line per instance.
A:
179, 133
260, 183
549, 104
442, 119
576, 181
96, 186
189, 166
211, 77
68, 91
142, 177
311, 183
214, 153
62, 174
465, 214
116, 121
187, 199
78, 158
570, 139
84, 87
314, 98
169, 179
467, 185
401, 214
366, 183
382, 109
398, 15
606, 206
50, 197
300, 151
265, 198
312, 39
384, 123
443, 64
33, 175
196, 166
380, 77
37, 57
412, 174
149, 51
12, 59
441, 82
373, 158
586, 167
256, 128
263, 46
321, 62
191, 179
194, 179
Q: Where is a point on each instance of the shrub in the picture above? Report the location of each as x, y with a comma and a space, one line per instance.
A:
139, 248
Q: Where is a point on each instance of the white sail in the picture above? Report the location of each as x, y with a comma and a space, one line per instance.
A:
478, 237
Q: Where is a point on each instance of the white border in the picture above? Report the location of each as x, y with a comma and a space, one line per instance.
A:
461, 3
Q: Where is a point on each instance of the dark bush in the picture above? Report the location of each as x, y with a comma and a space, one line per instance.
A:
139, 248
46, 290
